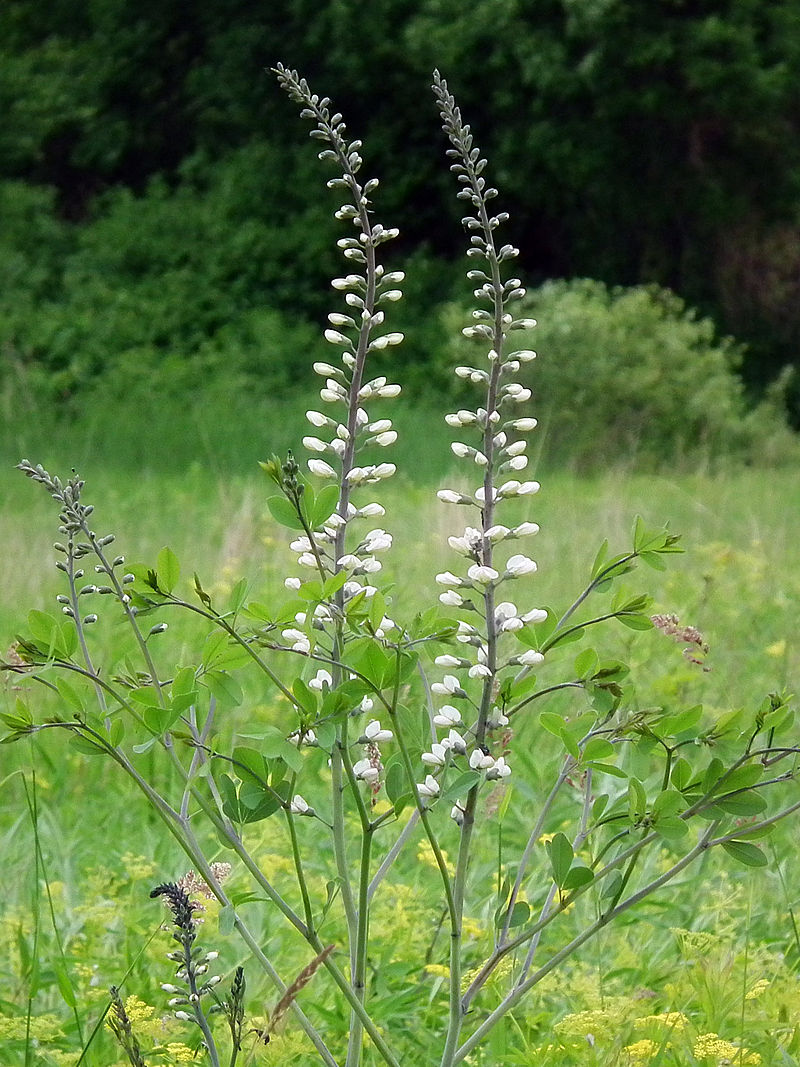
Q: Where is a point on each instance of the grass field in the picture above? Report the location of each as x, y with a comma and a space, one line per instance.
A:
80, 853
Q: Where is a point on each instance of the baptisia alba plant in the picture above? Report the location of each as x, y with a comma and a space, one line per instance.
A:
392, 735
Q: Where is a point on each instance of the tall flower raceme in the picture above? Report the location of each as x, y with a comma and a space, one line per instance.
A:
489, 565
347, 681
344, 431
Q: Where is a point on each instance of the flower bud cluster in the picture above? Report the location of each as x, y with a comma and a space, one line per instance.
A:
192, 981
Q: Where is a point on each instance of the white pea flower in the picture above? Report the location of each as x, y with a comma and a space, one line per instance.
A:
468, 543
450, 661
300, 641
519, 565
428, 788
307, 559
320, 680
364, 771
300, 544
384, 470
367, 704
534, 616
480, 494
482, 575
500, 770
316, 418
375, 733
517, 448
525, 425
451, 599
455, 742
292, 583
308, 737
313, 444
517, 463
525, 529
530, 658
528, 488
448, 578
349, 562
326, 370
505, 610
321, 468
371, 511
299, 806
480, 670
525, 356
480, 459
381, 426
336, 338
497, 533
387, 340
387, 438
480, 760
457, 813
450, 496
447, 716
437, 756
377, 541
461, 450
449, 686
518, 393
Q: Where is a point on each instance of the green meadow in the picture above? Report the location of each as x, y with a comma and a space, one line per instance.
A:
704, 972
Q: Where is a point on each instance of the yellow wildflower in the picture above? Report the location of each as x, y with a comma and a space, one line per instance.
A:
642, 1051
712, 1045
426, 855
472, 928
597, 1023
439, 970
180, 1053
672, 1020
138, 1010
138, 868
777, 649
757, 990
